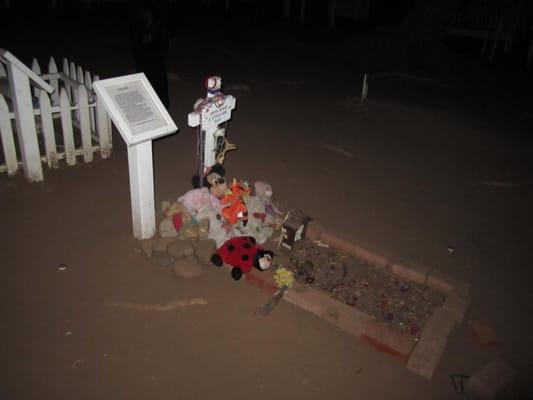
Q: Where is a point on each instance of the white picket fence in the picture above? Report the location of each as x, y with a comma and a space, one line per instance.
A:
84, 127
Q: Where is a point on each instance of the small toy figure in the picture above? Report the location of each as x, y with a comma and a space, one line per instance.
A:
208, 196
233, 206
264, 217
215, 182
243, 254
179, 222
223, 145
264, 192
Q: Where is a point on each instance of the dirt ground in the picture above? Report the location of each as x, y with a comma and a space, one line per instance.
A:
431, 167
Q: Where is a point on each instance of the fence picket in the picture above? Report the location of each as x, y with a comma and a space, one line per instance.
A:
48, 131
66, 125
66, 71
35, 67
85, 125
79, 73
74, 89
72, 70
52, 69
8, 143
89, 85
109, 139
65, 67
88, 80
102, 127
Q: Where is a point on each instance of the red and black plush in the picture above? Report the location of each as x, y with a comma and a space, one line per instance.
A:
243, 254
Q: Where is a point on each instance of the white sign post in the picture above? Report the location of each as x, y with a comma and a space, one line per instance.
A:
208, 114
20, 91
140, 117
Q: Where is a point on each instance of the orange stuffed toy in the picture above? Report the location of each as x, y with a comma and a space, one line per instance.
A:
233, 207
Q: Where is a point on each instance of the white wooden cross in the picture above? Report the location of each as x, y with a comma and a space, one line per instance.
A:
20, 77
209, 113
140, 117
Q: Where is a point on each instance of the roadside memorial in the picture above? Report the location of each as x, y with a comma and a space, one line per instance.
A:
400, 308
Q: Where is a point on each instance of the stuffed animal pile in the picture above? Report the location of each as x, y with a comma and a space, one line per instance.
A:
230, 215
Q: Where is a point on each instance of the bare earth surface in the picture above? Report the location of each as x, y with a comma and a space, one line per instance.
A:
431, 167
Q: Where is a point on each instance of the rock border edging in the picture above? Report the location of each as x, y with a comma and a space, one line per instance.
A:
421, 357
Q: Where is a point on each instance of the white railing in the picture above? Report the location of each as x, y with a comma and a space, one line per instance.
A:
82, 125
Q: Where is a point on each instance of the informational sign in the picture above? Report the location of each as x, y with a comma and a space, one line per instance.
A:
135, 108
140, 117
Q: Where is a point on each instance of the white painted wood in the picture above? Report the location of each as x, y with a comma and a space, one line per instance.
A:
8, 143
142, 189
79, 74
78, 84
88, 81
36, 68
210, 117
9, 58
109, 130
89, 85
19, 84
85, 125
102, 127
66, 67
48, 131
66, 126
74, 89
72, 70
66, 71
52, 69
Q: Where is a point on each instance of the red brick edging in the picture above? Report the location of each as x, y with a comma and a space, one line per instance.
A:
421, 357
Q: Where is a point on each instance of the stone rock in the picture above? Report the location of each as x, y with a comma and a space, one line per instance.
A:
204, 249
188, 269
147, 247
166, 228
161, 244
163, 260
181, 249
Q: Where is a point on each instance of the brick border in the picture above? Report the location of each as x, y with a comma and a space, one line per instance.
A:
421, 357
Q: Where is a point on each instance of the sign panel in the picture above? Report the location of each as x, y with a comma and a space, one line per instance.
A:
135, 108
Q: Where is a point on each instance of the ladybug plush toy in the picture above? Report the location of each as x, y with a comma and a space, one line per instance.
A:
242, 254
